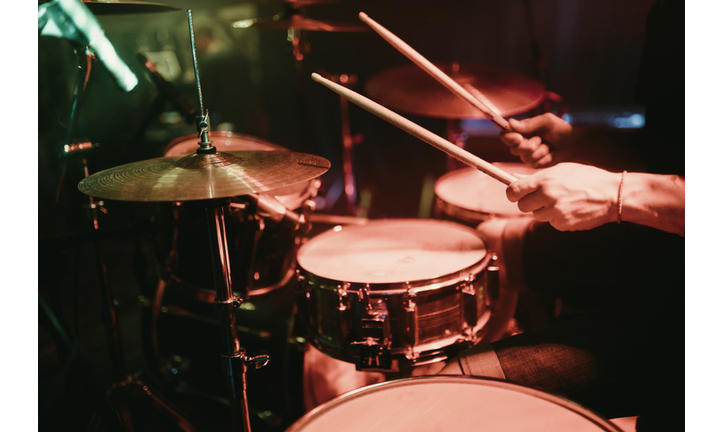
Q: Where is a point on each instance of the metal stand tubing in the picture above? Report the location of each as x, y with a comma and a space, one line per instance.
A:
83, 75
221, 264
232, 354
348, 141
110, 322
165, 406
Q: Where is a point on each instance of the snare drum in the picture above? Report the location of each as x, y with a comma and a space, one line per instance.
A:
450, 403
405, 290
262, 255
470, 196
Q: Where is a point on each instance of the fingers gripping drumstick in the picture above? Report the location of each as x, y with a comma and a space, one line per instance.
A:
435, 72
418, 131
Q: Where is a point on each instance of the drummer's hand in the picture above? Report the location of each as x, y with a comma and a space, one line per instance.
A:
539, 141
570, 196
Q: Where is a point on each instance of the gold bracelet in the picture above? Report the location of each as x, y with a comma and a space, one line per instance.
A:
620, 197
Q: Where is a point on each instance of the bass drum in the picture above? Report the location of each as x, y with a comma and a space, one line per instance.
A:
262, 254
447, 403
470, 196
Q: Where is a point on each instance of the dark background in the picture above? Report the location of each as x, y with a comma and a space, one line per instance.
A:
586, 52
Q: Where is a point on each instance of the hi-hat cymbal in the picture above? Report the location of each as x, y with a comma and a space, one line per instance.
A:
412, 90
298, 22
199, 177
109, 7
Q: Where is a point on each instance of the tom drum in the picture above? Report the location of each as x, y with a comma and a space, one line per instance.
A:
470, 196
263, 254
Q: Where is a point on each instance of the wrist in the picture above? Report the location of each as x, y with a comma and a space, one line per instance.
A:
655, 200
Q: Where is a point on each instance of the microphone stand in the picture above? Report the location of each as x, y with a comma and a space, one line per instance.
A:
85, 57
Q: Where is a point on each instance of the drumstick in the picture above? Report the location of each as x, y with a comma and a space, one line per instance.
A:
418, 131
437, 74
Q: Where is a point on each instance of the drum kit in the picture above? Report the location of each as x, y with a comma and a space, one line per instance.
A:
381, 295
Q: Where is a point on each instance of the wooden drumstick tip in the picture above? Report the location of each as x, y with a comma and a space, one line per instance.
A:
363, 16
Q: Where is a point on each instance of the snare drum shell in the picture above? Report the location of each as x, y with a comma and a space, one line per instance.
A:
428, 317
450, 403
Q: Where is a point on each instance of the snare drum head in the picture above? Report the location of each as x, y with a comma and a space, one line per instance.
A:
473, 190
392, 251
448, 403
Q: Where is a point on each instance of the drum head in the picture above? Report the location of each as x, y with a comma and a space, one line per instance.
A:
450, 403
392, 251
475, 191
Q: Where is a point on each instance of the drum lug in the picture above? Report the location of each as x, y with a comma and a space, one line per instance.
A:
373, 339
410, 317
492, 282
343, 294
467, 286
469, 305
363, 298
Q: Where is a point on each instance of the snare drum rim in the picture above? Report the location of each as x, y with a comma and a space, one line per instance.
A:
576, 408
469, 273
453, 280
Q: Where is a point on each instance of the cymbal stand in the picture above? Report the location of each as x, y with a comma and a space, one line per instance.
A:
233, 356
348, 141
109, 316
118, 391
300, 47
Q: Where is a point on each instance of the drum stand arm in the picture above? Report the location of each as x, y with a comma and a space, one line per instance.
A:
233, 356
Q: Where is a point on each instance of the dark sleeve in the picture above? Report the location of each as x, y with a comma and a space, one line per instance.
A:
661, 87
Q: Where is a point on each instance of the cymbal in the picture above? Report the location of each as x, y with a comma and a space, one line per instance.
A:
298, 22
116, 7
412, 90
198, 177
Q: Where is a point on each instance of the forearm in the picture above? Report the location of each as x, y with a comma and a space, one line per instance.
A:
654, 200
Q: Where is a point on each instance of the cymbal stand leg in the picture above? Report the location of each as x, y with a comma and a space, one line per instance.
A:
233, 356
119, 391
110, 318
